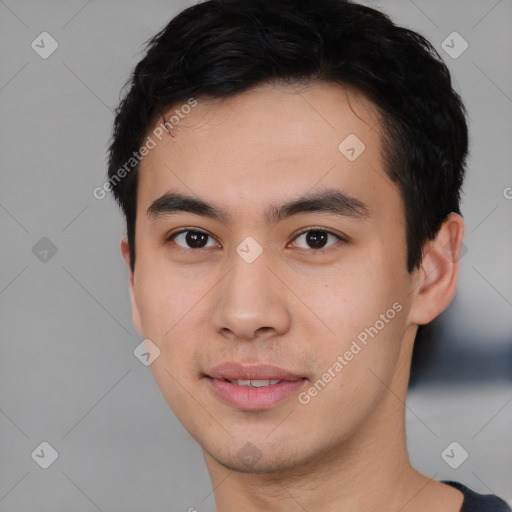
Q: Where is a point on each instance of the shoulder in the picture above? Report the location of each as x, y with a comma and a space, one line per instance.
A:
475, 502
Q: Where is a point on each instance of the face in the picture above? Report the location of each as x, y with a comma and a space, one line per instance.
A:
295, 272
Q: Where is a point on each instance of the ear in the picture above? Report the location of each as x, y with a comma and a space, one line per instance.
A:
125, 251
438, 273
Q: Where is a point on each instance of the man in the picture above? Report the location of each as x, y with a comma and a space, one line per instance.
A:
290, 175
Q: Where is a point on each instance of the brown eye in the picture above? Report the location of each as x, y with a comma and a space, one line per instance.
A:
317, 238
191, 239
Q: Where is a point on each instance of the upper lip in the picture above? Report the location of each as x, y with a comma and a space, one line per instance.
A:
238, 371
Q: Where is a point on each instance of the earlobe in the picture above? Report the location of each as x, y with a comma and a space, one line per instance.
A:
438, 272
125, 251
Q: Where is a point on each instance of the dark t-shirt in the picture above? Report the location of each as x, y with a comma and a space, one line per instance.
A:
474, 502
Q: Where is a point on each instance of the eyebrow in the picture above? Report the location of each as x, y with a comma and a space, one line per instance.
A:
328, 201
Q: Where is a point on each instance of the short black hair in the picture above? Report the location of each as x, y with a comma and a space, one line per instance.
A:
219, 48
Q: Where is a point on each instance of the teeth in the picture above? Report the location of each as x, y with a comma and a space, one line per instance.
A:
254, 383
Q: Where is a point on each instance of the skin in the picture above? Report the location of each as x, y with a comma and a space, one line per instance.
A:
295, 306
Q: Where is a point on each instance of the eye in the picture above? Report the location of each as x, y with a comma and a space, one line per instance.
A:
317, 238
193, 238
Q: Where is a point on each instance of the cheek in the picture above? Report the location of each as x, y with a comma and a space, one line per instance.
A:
356, 366
163, 298
362, 316
169, 315
173, 311
347, 301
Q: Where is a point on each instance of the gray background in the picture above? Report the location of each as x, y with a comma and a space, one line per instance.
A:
68, 375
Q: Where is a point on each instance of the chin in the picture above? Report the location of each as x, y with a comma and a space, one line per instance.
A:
259, 455
263, 464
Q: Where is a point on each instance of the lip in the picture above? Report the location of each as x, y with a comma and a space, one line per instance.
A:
252, 399
232, 371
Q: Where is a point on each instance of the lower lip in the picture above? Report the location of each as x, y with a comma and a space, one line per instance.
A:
253, 399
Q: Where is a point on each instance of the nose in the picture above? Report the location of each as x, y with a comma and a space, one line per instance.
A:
251, 302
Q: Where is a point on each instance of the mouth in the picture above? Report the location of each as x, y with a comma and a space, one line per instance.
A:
256, 383
253, 387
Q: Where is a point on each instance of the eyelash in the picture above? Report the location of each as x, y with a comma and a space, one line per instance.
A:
306, 230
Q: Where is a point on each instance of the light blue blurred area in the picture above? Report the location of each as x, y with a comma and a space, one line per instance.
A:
67, 372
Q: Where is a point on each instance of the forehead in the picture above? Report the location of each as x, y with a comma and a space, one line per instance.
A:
271, 142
